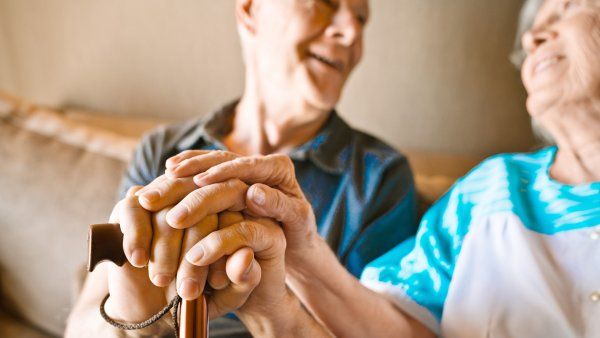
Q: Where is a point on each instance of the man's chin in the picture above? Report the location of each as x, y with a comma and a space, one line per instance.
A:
322, 100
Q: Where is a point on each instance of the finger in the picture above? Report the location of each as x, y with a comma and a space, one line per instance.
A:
136, 227
212, 199
245, 273
264, 201
265, 239
174, 161
217, 276
157, 180
227, 218
273, 170
198, 164
165, 192
191, 278
165, 251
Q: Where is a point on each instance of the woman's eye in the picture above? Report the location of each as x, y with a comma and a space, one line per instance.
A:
569, 5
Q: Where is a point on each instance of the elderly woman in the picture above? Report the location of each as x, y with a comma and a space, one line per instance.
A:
298, 56
511, 250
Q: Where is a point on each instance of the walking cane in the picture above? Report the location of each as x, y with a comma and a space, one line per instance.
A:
105, 243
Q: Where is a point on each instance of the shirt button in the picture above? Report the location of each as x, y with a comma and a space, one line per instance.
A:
595, 296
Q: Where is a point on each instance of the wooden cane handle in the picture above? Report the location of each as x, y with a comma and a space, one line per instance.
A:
105, 243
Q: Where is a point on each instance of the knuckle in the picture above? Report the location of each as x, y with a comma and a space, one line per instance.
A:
237, 184
195, 199
248, 232
247, 161
187, 153
214, 241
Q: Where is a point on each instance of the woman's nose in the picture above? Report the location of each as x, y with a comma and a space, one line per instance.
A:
345, 27
535, 38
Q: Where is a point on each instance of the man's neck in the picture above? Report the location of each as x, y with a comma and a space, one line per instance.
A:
263, 127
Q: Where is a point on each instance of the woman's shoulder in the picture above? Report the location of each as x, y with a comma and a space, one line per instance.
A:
502, 166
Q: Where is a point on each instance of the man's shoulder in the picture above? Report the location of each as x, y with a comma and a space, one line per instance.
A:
172, 136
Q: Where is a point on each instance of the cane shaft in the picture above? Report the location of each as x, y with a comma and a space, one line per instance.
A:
105, 242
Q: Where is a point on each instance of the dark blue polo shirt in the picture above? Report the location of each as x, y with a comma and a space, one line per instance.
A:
361, 189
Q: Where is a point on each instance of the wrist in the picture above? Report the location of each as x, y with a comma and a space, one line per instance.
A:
160, 327
275, 321
308, 256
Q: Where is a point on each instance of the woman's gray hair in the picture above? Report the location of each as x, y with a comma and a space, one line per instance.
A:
526, 18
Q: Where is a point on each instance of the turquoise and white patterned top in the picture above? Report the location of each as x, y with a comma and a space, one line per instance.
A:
507, 252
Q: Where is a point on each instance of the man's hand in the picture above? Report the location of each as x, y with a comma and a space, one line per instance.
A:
274, 193
138, 293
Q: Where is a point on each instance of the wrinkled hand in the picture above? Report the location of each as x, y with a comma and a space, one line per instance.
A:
265, 238
222, 177
155, 251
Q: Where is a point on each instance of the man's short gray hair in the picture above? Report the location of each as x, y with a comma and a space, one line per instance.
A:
526, 18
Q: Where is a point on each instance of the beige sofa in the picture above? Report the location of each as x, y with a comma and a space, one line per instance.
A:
59, 172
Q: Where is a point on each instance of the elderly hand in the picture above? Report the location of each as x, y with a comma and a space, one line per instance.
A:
135, 297
275, 192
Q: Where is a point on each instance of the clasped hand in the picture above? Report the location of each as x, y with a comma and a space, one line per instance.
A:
213, 217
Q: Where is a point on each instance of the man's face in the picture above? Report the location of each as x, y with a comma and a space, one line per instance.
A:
308, 47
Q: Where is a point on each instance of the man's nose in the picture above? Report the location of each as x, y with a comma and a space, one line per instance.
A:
345, 26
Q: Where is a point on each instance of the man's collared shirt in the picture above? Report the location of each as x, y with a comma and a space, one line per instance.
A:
361, 190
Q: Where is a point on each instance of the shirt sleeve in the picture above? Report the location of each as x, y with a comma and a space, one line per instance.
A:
417, 281
390, 215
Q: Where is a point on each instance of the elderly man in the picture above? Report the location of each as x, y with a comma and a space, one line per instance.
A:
298, 56
510, 251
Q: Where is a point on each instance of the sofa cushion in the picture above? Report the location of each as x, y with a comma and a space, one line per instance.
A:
11, 327
50, 192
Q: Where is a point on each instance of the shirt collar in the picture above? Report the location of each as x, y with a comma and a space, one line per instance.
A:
329, 150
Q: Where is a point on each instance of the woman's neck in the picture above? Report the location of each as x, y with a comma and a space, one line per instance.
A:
263, 127
575, 126
578, 166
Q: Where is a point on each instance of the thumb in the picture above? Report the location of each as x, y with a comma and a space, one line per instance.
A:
265, 201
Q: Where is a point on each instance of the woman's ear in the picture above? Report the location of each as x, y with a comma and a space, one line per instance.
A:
244, 14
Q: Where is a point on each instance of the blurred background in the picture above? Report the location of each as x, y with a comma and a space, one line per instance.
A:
81, 80
435, 76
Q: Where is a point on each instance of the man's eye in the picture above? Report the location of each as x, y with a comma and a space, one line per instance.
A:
362, 19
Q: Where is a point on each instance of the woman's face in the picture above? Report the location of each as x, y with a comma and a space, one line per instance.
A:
563, 54
308, 47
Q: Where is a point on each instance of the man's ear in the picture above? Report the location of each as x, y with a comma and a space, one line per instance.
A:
244, 14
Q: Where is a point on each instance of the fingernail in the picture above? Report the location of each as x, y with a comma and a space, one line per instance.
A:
258, 196
139, 258
151, 196
177, 215
188, 288
195, 254
198, 178
249, 268
162, 279
172, 163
